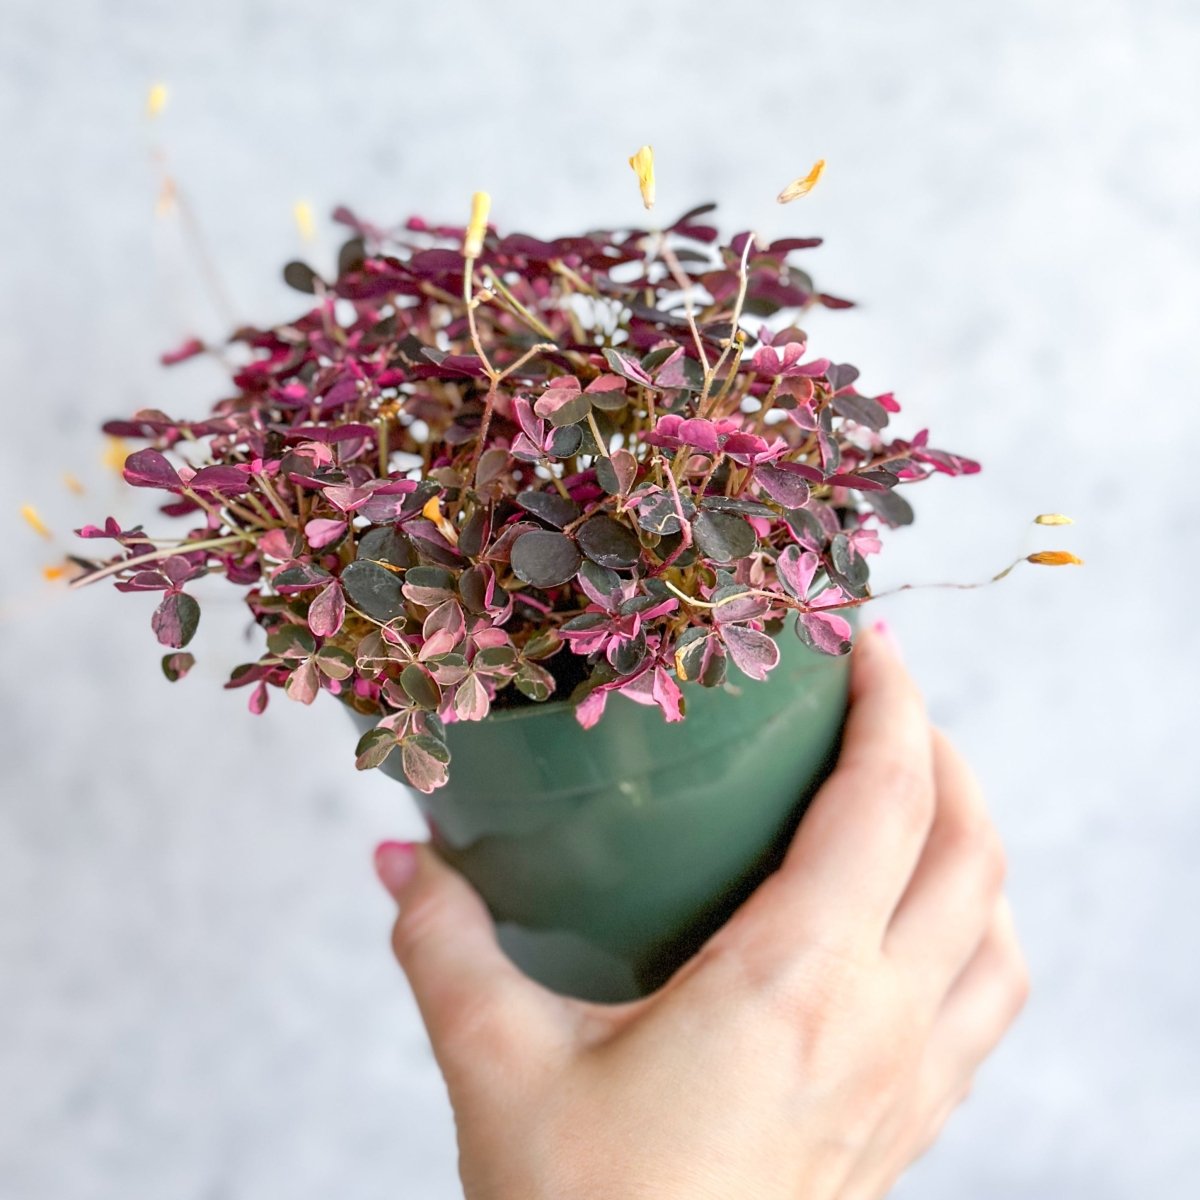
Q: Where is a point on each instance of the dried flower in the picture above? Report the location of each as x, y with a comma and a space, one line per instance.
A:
643, 166
803, 185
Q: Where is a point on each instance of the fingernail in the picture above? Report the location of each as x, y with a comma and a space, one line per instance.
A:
884, 630
395, 863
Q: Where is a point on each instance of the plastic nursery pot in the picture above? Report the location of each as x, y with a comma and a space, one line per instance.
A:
608, 856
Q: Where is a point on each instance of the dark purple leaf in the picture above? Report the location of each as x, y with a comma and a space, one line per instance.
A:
862, 409
373, 589
545, 559
609, 543
176, 666
554, 509
724, 537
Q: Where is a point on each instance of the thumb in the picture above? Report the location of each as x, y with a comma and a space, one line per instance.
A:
471, 996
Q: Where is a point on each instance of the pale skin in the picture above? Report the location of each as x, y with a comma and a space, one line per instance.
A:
811, 1050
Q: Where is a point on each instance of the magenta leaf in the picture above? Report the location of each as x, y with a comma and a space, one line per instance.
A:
824, 631
784, 486
321, 531
175, 619
796, 569
754, 653
327, 611
228, 481
149, 468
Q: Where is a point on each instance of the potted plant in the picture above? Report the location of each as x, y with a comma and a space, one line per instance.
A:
574, 542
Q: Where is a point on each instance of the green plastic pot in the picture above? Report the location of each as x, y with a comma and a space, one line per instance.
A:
608, 856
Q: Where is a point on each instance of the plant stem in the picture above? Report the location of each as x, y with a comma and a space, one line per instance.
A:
184, 547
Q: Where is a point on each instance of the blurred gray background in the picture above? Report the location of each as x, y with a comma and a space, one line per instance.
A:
196, 994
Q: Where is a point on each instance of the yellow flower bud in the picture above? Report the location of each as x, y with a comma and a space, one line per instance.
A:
433, 512
481, 204
72, 483
1052, 519
50, 574
679, 668
34, 521
803, 185
303, 214
1054, 558
156, 100
643, 165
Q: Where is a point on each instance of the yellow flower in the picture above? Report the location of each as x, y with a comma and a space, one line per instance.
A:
73, 484
50, 574
34, 521
481, 205
643, 165
803, 185
303, 214
1054, 558
156, 100
1052, 519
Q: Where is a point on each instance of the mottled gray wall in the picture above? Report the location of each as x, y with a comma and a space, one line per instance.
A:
196, 997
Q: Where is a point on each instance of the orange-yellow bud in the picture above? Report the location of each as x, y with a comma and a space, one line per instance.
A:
433, 512
643, 165
303, 215
156, 100
803, 185
72, 483
1054, 558
115, 454
34, 521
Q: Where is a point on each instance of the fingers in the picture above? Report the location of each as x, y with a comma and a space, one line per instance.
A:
472, 998
857, 845
948, 904
983, 1002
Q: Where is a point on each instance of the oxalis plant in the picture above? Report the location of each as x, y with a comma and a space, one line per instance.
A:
481, 471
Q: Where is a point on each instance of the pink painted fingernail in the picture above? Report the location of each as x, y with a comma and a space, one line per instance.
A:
395, 863
884, 630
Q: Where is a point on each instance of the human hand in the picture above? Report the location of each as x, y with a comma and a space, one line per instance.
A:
811, 1049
